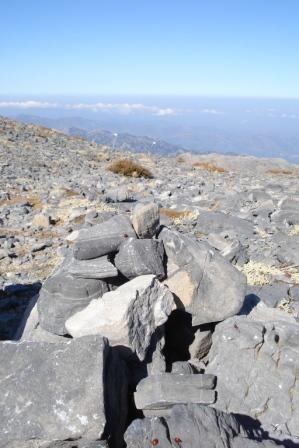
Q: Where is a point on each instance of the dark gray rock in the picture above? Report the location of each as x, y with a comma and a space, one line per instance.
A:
103, 238
193, 426
55, 392
205, 283
62, 295
140, 257
257, 368
271, 294
161, 392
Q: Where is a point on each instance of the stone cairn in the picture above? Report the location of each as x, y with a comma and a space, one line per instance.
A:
104, 354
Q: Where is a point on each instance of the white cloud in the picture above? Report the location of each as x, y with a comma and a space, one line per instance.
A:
121, 108
211, 111
30, 104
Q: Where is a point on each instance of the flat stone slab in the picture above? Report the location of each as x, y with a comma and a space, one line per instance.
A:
164, 390
52, 391
127, 316
95, 268
103, 238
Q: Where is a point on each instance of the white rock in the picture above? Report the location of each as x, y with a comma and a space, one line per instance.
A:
127, 316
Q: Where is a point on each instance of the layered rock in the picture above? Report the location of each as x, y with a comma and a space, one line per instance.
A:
62, 295
157, 394
140, 257
103, 238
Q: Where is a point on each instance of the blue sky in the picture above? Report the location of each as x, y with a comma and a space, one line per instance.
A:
215, 47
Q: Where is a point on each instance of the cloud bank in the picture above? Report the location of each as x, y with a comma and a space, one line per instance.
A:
122, 108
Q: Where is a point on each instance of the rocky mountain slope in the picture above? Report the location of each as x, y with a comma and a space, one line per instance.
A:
160, 310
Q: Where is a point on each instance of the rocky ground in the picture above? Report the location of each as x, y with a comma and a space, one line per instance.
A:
159, 311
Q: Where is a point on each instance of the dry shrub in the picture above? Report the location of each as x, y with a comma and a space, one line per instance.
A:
280, 171
209, 167
173, 214
34, 201
129, 168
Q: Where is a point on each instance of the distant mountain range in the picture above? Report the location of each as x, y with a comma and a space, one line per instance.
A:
175, 137
88, 129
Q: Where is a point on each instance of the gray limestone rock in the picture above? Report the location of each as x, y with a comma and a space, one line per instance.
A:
54, 392
145, 219
140, 257
288, 253
203, 281
257, 367
127, 316
103, 238
121, 194
62, 295
217, 222
271, 294
161, 392
97, 268
193, 426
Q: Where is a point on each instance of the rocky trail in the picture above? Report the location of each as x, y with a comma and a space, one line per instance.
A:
145, 300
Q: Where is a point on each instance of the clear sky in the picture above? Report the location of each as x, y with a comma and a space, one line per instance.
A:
184, 47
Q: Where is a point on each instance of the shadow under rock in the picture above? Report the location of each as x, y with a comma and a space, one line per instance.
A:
250, 302
14, 301
256, 432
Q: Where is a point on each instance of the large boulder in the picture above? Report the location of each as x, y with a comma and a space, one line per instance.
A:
193, 426
127, 316
103, 238
256, 361
59, 392
62, 295
204, 282
140, 257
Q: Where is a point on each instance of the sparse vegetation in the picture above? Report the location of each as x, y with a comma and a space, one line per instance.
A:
129, 168
208, 166
294, 230
178, 216
280, 171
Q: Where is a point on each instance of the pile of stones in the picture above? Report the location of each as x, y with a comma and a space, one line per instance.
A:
145, 334
122, 346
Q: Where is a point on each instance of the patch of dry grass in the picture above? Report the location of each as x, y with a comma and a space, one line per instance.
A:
280, 171
179, 216
34, 201
129, 168
262, 274
294, 230
208, 166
